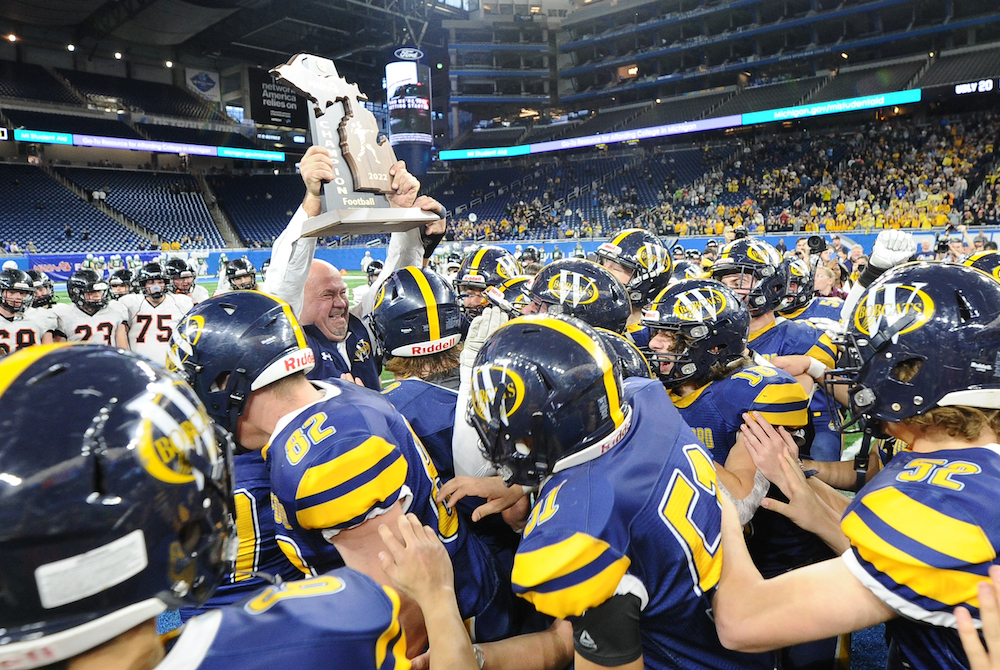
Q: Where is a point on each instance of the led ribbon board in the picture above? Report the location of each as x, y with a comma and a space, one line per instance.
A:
734, 121
48, 137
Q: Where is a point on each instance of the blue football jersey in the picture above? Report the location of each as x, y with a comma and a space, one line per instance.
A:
790, 338
643, 517
639, 334
715, 411
258, 550
924, 532
341, 619
430, 409
350, 457
819, 307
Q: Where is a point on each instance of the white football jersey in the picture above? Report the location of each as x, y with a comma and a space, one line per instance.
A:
197, 295
25, 331
99, 328
150, 327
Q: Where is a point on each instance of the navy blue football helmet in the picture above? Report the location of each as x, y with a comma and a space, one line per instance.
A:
416, 314
630, 360
544, 389
686, 270
17, 291
112, 514
799, 289
510, 296
710, 325
45, 290
84, 282
987, 261
486, 266
233, 344
583, 289
241, 274
646, 256
923, 335
759, 266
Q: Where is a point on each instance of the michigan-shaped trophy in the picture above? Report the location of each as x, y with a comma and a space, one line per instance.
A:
355, 201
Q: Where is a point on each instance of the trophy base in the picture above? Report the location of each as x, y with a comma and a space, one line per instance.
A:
366, 221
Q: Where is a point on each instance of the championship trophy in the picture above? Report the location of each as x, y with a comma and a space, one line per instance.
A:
355, 201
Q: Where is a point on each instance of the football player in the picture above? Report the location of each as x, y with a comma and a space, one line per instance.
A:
45, 290
241, 275
121, 284
802, 303
698, 342
342, 459
92, 316
623, 539
89, 560
643, 263
485, 267
21, 326
372, 272
183, 279
153, 312
923, 532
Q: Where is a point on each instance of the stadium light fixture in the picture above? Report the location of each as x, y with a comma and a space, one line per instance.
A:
657, 101
843, 54
70, 47
931, 54
169, 63
12, 37
118, 55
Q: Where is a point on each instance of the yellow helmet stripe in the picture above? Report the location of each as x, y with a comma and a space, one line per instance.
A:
433, 319
478, 258
601, 358
617, 241
300, 337
12, 366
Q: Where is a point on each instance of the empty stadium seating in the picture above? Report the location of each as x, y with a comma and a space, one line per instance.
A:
196, 136
962, 68
140, 95
856, 83
38, 208
65, 123
32, 82
244, 199
146, 197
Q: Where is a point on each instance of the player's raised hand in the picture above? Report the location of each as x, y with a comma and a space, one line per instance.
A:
417, 562
980, 657
316, 169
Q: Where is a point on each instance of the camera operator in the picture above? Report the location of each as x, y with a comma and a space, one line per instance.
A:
954, 246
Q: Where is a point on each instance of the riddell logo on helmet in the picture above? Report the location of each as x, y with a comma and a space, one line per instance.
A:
299, 360
434, 347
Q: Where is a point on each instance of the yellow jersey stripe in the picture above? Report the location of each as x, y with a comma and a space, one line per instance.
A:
950, 587
779, 394
946, 535
248, 533
822, 354
532, 568
357, 502
794, 419
390, 633
13, 365
601, 358
332, 474
433, 320
576, 599
294, 555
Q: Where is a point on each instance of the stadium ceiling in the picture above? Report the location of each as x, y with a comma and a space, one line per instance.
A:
265, 32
